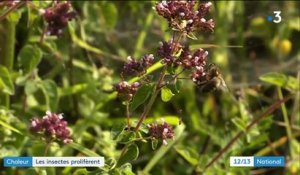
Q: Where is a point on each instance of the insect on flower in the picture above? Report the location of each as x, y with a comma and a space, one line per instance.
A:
212, 80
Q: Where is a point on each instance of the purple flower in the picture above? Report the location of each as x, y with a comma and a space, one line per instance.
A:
125, 90
162, 131
182, 16
57, 17
147, 61
133, 67
185, 59
199, 58
198, 76
52, 127
137, 67
190, 60
167, 50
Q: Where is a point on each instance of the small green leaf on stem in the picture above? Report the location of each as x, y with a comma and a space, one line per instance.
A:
30, 87
141, 96
81, 171
110, 15
281, 80
6, 84
166, 94
154, 143
130, 153
29, 57
238, 122
188, 154
50, 91
126, 137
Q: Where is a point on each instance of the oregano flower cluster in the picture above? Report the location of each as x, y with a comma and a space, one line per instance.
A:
168, 50
137, 67
57, 17
182, 16
133, 67
188, 60
125, 90
52, 127
162, 131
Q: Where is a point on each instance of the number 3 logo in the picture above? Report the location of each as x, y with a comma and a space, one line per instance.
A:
277, 16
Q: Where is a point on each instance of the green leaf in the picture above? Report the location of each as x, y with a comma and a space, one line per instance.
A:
14, 16
82, 43
30, 87
154, 143
29, 57
188, 154
32, 15
170, 119
281, 80
81, 171
6, 84
166, 94
239, 123
126, 169
126, 137
50, 91
141, 96
131, 153
5, 125
77, 88
178, 85
110, 14
116, 130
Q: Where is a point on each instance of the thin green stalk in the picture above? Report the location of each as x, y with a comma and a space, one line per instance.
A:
48, 145
7, 40
152, 99
286, 120
128, 114
8, 44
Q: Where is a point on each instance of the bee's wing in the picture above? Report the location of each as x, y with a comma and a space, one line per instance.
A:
222, 86
216, 83
208, 86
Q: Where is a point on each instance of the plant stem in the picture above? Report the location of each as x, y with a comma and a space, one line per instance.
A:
7, 51
47, 148
157, 87
128, 114
152, 99
286, 120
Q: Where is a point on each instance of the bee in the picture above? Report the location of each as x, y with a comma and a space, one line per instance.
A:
213, 80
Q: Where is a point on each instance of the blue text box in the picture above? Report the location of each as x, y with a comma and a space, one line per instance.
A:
17, 162
269, 161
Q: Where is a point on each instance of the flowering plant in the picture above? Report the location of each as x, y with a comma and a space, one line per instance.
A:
149, 112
